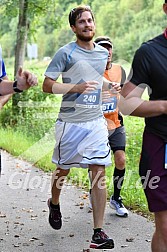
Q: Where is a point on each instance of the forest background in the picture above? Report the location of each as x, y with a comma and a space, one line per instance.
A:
27, 120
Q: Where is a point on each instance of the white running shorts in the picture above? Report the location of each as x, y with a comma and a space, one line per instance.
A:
81, 144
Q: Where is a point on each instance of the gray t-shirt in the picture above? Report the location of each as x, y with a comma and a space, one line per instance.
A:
77, 65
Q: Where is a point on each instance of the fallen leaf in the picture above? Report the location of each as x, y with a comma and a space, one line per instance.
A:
108, 223
85, 196
124, 246
26, 244
18, 223
130, 239
16, 236
33, 239
2, 215
71, 235
29, 211
16, 245
41, 244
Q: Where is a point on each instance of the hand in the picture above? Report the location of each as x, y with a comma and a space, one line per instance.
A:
115, 87
105, 96
25, 79
86, 87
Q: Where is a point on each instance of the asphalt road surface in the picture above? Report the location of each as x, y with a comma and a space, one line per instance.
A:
24, 191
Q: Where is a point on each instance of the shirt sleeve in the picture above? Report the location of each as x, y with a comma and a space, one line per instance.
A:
140, 70
57, 65
3, 70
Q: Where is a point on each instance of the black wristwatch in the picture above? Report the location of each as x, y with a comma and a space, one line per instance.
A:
110, 85
17, 90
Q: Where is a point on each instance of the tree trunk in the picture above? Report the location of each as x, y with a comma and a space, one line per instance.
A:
21, 34
22, 29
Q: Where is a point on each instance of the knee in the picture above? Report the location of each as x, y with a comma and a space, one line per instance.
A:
98, 176
64, 172
61, 172
98, 172
120, 162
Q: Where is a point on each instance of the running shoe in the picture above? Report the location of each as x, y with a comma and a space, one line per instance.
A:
55, 217
101, 241
119, 207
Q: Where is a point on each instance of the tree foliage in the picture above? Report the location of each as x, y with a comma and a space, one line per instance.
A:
127, 22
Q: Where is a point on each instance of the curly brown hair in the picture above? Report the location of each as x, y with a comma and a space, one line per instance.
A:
76, 13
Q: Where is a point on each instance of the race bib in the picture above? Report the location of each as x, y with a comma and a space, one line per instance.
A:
110, 105
89, 100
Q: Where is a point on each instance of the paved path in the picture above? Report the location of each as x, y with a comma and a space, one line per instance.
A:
23, 216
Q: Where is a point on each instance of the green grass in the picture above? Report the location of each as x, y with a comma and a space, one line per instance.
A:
20, 145
14, 142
